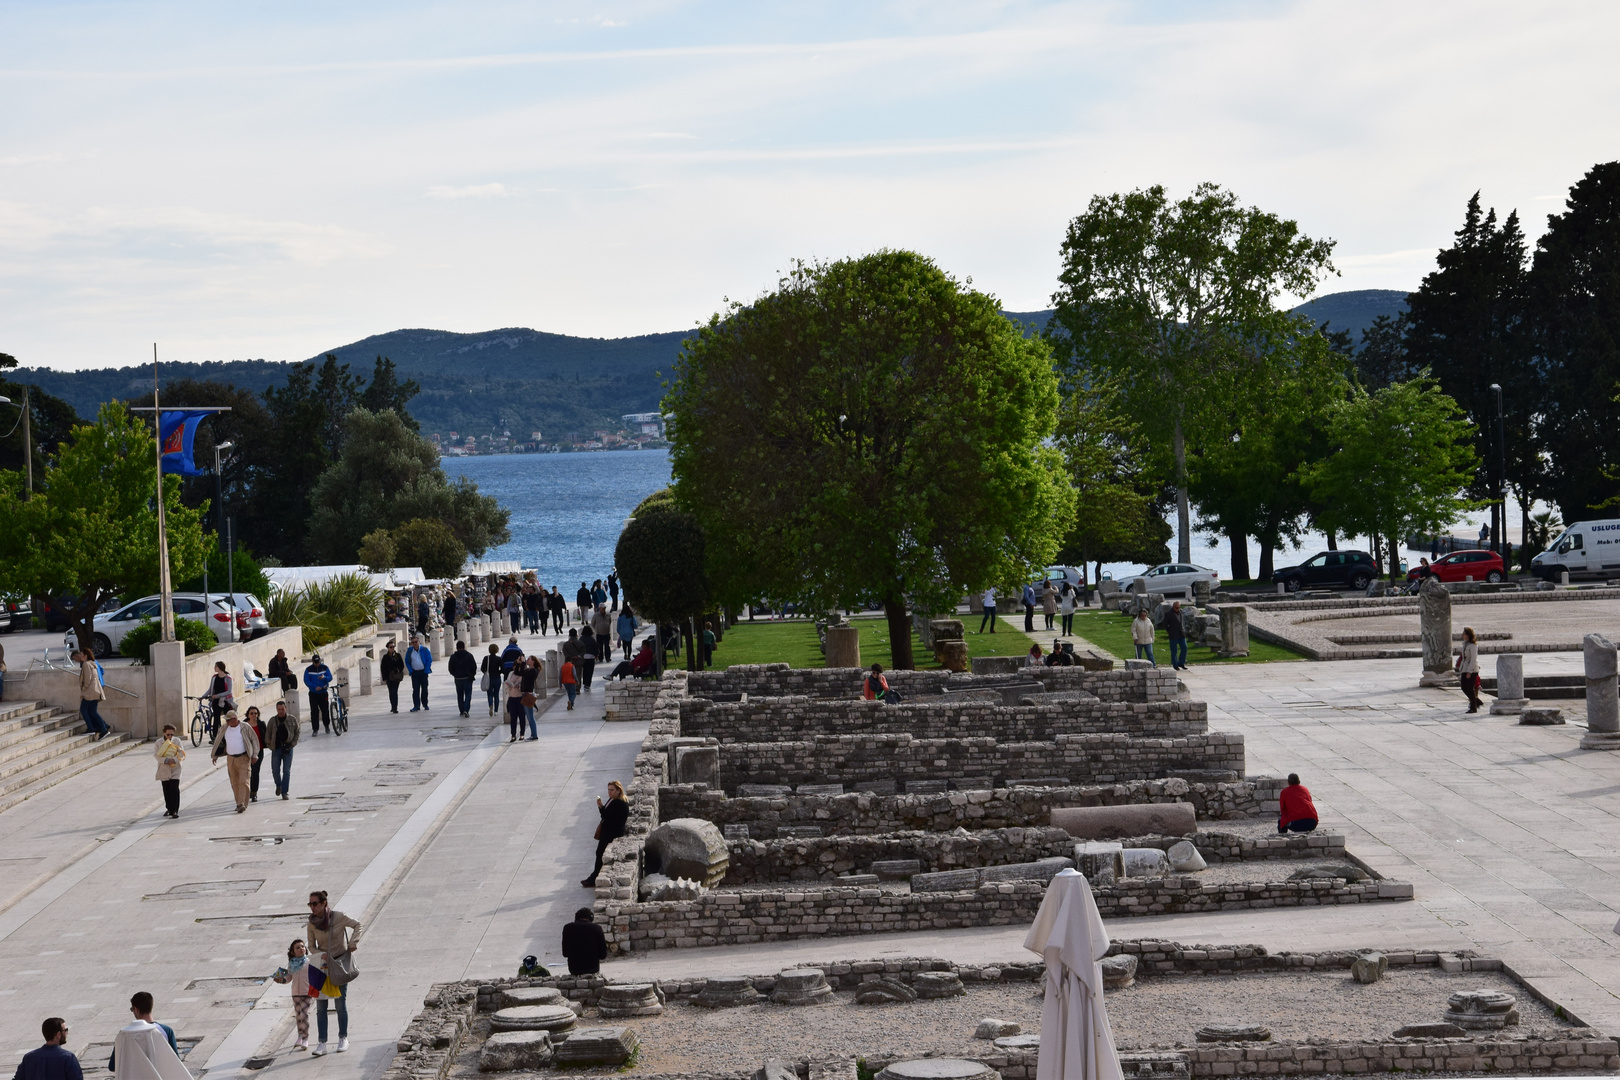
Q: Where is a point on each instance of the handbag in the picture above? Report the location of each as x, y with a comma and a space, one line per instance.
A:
340, 969
529, 700
484, 684
597, 835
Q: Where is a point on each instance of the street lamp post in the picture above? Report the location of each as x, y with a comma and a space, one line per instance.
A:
1505, 548
224, 530
28, 445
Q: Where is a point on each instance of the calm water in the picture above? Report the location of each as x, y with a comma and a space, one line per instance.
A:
567, 509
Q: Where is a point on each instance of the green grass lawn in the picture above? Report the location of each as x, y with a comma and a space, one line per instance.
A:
793, 641
1112, 631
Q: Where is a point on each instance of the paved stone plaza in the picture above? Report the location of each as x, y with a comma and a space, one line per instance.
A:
1506, 832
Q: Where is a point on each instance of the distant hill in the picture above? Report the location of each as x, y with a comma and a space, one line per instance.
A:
521, 380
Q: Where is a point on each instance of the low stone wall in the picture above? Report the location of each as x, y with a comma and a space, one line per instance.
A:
1077, 758
779, 680
996, 808
1405, 1055
778, 719
631, 699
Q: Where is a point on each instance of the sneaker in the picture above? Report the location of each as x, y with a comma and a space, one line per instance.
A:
320, 1049
301, 1044
241, 809
343, 1043
284, 795
416, 710
253, 798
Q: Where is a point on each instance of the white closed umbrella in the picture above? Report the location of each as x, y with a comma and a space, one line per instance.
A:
1068, 934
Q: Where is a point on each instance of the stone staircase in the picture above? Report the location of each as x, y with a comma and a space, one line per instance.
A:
41, 746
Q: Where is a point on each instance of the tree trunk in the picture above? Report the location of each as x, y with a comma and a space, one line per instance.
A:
1266, 566
900, 658
1183, 511
1085, 584
1333, 540
692, 660
1525, 554
1394, 560
1268, 546
1238, 540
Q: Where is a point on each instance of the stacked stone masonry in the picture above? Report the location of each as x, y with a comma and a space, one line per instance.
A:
779, 680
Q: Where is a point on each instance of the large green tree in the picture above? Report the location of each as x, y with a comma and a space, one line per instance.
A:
89, 533
1173, 301
661, 557
872, 430
1401, 461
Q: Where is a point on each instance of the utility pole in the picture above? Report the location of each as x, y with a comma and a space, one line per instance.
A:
1503, 547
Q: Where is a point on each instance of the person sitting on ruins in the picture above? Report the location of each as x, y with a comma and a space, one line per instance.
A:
1062, 654
1297, 813
1033, 658
874, 686
583, 944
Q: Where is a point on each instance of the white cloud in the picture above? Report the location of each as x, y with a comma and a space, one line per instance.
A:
471, 191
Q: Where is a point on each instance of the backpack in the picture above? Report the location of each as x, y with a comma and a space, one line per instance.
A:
874, 685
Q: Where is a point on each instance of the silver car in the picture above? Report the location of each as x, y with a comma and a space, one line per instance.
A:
1174, 579
110, 627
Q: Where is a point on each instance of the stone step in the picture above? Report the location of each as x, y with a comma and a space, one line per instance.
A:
44, 720
42, 747
18, 711
53, 770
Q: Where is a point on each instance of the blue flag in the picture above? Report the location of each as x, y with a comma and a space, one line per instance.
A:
177, 431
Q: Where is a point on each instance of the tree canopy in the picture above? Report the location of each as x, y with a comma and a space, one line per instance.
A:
872, 430
662, 557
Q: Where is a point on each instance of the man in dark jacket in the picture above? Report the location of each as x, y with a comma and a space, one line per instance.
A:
584, 944
450, 610
511, 655
463, 669
393, 673
54, 1061
422, 616
281, 735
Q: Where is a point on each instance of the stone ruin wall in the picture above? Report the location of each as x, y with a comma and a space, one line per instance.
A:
785, 718
1078, 758
779, 680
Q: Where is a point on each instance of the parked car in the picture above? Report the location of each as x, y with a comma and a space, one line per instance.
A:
251, 621
1057, 575
16, 613
109, 628
1329, 570
1173, 579
1479, 564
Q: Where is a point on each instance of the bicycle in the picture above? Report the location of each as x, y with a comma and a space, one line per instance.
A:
202, 721
340, 714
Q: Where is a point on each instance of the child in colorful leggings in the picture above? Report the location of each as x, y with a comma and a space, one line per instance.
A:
297, 973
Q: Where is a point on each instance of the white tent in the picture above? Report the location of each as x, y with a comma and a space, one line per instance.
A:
480, 569
1076, 1042
296, 577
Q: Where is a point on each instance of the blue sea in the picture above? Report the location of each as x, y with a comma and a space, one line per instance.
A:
567, 509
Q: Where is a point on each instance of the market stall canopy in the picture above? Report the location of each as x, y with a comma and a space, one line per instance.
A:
294, 577
479, 569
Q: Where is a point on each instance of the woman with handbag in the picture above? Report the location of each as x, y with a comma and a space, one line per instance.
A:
615, 815
514, 701
332, 938
491, 682
530, 673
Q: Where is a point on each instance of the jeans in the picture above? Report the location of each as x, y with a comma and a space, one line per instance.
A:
1178, 652
1029, 618
342, 1011
1068, 625
253, 776
1304, 824
419, 690
393, 696
534, 730
281, 768
514, 716
494, 694
989, 617
90, 712
573, 689
557, 620
464, 696
320, 711
1147, 651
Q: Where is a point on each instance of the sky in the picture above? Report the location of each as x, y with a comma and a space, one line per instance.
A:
237, 181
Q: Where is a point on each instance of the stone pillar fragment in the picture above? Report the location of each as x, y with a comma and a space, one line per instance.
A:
1434, 614
365, 676
1602, 694
1510, 697
843, 647
1234, 631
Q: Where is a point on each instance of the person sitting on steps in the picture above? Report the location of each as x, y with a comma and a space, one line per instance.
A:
1297, 813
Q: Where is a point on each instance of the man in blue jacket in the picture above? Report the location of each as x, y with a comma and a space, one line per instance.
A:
418, 662
317, 677
511, 655
53, 1061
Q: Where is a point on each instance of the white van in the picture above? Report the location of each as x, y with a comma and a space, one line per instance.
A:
1586, 549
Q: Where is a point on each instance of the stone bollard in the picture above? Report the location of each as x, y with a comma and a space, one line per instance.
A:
340, 683
553, 670
1434, 615
1234, 631
1281, 588
295, 707
843, 647
1510, 697
447, 639
1563, 579
1200, 592
1602, 695
365, 676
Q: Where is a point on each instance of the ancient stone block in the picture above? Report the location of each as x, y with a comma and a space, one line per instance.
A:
1039, 870
735, 832
1510, 699
598, 1046
1145, 862
1042, 781
1101, 861
518, 996
875, 787
697, 765
938, 1069
1369, 967
991, 1028
997, 665
896, 869
879, 991
953, 655
1116, 822
1184, 858
621, 1000
1233, 1033
1119, 972
512, 1051
925, 787
728, 992
533, 1018
1541, 716
763, 791
1155, 1064
1235, 631
1434, 625
688, 848
1024, 1044
799, 832
776, 1069
1316, 871
843, 647
801, 986
945, 881
1480, 1010
819, 789
938, 984
1430, 1031
1602, 694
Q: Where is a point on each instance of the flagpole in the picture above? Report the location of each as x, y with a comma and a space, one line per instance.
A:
164, 586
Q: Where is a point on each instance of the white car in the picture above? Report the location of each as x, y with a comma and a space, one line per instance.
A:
110, 627
1173, 579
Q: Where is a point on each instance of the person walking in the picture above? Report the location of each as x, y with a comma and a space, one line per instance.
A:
250, 719
514, 610
1142, 636
568, 679
296, 974
238, 745
558, 608
52, 1061
511, 655
422, 615
599, 596
584, 945
169, 754
582, 601
602, 627
585, 662
615, 815
450, 609
282, 670
281, 735
627, 629
989, 601
393, 673
317, 679
491, 681
531, 609
1176, 631
513, 684
329, 933
463, 669
1029, 608
419, 663
1048, 603
140, 1007
1066, 608
91, 691
529, 669
613, 589
1468, 668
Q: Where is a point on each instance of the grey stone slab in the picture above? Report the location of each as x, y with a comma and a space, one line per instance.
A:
598, 1046
896, 869
1039, 870
945, 881
819, 789
938, 1069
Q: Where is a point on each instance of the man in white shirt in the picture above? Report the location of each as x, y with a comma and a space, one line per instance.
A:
989, 610
239, 746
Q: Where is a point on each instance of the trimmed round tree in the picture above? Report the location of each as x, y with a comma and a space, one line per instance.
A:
661, 557
871, 431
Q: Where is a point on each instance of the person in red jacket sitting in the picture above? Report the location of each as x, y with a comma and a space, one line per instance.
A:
1298, 812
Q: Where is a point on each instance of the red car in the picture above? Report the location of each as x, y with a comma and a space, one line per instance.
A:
1478, 564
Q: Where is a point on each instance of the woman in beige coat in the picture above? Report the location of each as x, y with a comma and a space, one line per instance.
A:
1049, 603
330, 932
169, 754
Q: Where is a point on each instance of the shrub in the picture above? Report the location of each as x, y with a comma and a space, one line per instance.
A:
137, 644
326, 610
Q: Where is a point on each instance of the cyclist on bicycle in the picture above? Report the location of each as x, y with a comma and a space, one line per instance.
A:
221, 694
